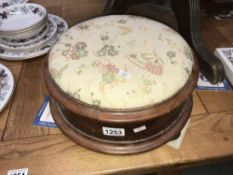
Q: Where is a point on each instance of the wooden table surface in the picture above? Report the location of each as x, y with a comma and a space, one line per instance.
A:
42, 150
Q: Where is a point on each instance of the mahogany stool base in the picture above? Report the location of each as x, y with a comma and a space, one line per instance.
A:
100, 145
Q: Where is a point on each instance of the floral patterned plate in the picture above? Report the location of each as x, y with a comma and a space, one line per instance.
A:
61, 24
6, 86
6, 3
52, 28
27, 16
25, 34
62, 27
23, 42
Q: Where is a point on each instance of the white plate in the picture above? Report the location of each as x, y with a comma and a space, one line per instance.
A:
24, 42
61, 24
34, 27
52, 28
21, 17
43, 49
6, 86
25, 34
6, 3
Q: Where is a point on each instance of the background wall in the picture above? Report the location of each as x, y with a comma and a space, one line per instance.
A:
73, 11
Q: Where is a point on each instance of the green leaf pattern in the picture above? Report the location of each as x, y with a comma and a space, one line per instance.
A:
75, 52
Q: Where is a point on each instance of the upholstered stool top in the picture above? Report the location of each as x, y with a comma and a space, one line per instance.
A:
121, 62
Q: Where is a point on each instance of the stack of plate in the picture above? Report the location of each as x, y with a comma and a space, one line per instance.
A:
27, 31
22, 21
6, 3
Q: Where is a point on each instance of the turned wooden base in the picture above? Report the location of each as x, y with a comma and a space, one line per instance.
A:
131, 143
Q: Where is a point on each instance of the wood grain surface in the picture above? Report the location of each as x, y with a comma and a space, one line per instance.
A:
27, 100
209, 136
73, 11
213, 141
15, 69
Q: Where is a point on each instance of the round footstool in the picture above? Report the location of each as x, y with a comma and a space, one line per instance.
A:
121, 84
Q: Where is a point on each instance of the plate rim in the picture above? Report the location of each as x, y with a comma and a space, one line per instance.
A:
39, 53
43, 9
18, 2
12, 89
19, 44
37, 43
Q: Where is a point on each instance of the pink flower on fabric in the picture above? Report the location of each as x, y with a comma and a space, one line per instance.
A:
111, 68
153, 68
108, 68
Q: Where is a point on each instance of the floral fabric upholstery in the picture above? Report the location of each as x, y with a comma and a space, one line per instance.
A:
121, 62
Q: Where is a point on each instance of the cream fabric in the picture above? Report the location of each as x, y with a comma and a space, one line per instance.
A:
121, 62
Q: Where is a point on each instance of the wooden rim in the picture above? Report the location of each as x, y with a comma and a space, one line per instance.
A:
116, 116
115, 148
